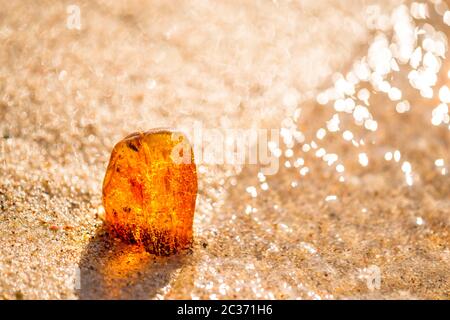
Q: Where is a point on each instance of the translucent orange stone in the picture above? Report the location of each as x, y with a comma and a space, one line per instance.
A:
149, 190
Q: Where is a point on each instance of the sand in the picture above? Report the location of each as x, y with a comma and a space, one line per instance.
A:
67, 96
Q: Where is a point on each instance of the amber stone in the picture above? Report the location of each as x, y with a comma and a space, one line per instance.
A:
149, 190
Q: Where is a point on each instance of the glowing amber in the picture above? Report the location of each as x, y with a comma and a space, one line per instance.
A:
149, 190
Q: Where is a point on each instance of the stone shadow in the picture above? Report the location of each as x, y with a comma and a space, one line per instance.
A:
112, 269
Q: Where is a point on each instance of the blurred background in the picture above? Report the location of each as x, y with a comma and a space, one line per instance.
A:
359, 208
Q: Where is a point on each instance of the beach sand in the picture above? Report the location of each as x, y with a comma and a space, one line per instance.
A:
67, 96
